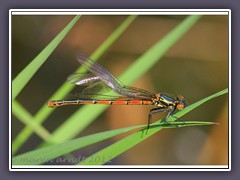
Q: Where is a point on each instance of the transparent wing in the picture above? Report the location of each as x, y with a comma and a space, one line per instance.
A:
82, 78
99, 71
82, 96
137, 92
90, 84
99, 80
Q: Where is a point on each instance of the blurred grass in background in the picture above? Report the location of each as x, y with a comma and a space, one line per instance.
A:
196, 66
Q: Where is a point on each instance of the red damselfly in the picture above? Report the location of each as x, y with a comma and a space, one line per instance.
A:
97, 81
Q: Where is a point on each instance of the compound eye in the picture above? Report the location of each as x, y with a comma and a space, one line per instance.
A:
180, 106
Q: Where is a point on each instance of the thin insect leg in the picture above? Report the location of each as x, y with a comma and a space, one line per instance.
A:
170, 114
179, 119
171, 111
154, 111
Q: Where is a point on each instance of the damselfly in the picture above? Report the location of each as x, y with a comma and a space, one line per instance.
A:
97, 81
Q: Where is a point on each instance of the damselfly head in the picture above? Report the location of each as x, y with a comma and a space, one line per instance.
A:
182, 103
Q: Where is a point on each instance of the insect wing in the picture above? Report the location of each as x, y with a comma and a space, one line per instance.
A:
98, 71
82, 78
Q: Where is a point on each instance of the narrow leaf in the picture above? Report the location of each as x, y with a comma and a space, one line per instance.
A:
26, 118
27, 73
45, 154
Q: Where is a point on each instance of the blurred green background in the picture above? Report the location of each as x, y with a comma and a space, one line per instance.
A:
195, 67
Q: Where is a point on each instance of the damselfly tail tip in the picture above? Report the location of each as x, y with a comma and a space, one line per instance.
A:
51, 104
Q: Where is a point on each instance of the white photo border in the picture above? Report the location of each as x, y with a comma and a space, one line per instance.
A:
119, 12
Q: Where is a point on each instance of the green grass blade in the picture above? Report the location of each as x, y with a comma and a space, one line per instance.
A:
84, 116
27, 73
152, 56
123, 145
42, 155
44, 111
23, 78
26, 118
113, 37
